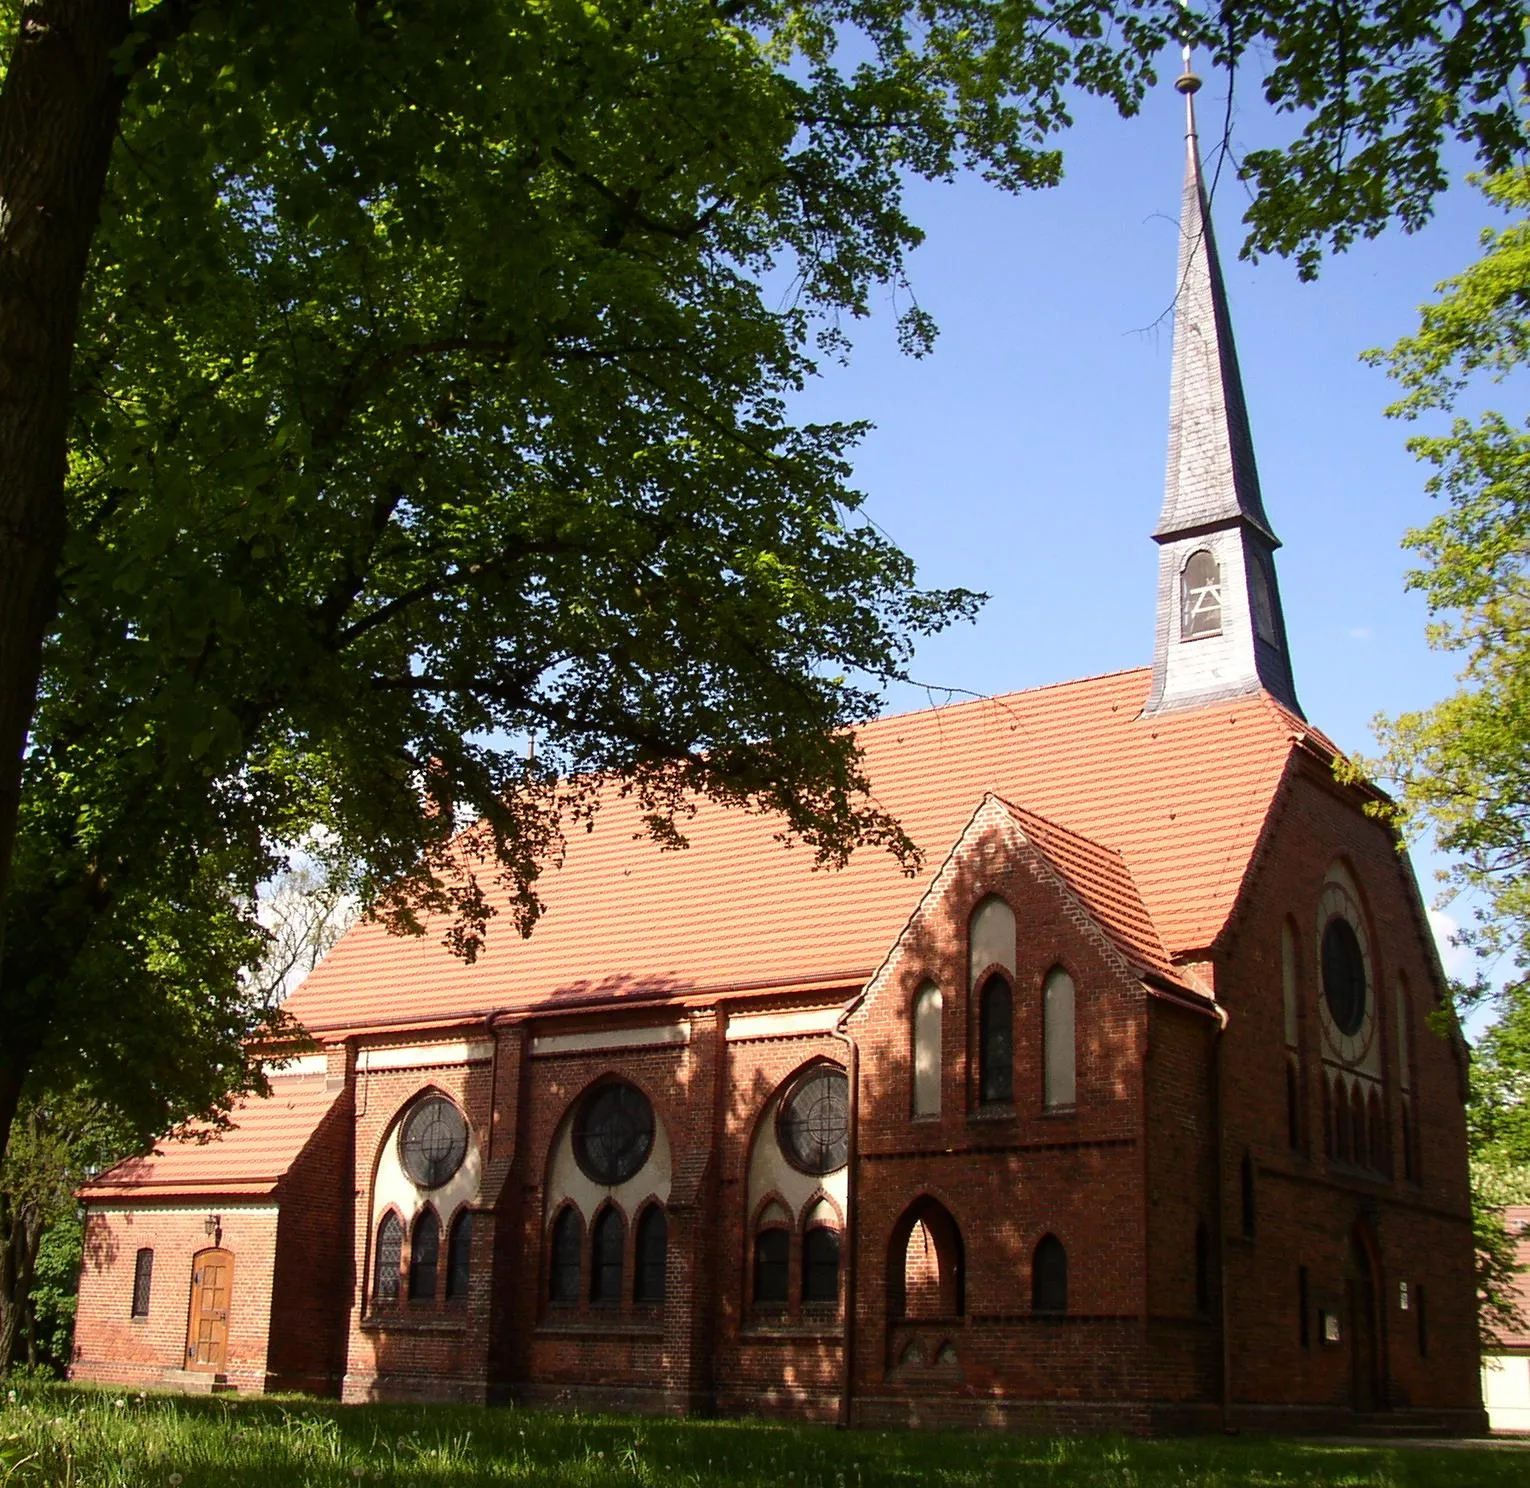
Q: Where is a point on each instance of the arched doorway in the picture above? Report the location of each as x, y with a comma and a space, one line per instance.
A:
1364, 1349
925, 1263
212, 1278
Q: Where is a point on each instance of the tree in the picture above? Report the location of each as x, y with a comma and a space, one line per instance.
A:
381, 384
1463, 765
68, 1133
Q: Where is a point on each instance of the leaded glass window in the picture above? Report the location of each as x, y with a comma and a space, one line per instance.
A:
813, 1126
390, 1255
772, 1265
652, 1255
567, 1242
433, 1141
424, 1257
996, 1063
613, 1133
820, 1266
143, 1281
606, 1258
459, 1256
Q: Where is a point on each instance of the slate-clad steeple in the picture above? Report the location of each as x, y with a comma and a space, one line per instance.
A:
1220, 627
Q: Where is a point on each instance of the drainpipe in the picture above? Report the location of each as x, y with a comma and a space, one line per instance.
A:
1221, 1146
847, 1351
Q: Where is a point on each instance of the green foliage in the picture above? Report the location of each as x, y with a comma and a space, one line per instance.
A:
1464, 764
55, 1282
430, 396
118, 1439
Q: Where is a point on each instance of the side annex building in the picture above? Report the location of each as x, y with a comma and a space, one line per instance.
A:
1126, 1113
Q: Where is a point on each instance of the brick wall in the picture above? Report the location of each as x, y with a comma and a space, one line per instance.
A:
114, 1347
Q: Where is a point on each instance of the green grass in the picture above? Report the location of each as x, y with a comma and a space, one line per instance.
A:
86, 1438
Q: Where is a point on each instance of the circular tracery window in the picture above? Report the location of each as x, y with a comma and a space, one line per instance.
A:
613, 1133
433, 1141
1344, 976
813, 1126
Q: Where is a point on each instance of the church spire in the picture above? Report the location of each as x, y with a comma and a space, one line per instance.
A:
1220, 627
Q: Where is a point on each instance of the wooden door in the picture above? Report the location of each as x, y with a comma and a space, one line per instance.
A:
212, 1274
1360, 1284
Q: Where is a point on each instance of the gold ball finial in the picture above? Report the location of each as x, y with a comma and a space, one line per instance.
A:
1188, 83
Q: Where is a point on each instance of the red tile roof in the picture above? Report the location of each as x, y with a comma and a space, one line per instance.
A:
1100, 880
1172, 806
248, 1160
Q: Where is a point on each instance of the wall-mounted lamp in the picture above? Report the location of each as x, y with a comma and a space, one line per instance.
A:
213, 1225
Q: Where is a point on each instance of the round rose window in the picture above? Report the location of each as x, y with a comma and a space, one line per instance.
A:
814, 1125
433, 1142
613, 1133
1344, 976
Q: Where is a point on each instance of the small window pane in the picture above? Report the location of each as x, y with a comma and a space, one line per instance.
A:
567, 1241
390, 1255
424, 1257
143, 1280
606, 1258
820, 1266
1049, 1276
652, 1255
772, 1258
459, 1257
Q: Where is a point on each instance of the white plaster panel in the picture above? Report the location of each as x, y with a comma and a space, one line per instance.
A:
1061, 1061
422, 1056
393, 1186
990, 938
654, 1035
927, 1031
567, 1180
306, 1064
783, 1025
769, 1171
1506, 1391
212, 1206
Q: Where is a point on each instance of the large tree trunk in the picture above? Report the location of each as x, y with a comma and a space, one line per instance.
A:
59, 110
21, 1231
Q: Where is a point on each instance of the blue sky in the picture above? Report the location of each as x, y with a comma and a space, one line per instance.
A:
1026, 456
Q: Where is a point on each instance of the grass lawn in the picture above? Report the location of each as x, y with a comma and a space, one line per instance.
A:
87, 1438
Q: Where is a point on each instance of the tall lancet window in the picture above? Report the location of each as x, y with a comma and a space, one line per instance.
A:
1200, 596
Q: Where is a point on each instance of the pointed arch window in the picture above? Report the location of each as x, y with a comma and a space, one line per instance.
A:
606, 1242
820, 1267
996, 1062
1049, 1276
1262, 582
567, 1243
772, 1266
928, 1006
652, 1254
459, 1256
390, 1256
1200, 596
1061, 1062
424, 1256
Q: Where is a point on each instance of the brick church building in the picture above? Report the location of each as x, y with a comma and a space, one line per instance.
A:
1128, 1112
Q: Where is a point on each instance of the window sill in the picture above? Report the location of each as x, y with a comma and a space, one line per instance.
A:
764, 1331
598, 1328
404, 1322
995, 1112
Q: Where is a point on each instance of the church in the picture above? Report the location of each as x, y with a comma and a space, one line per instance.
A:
1128, 1112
